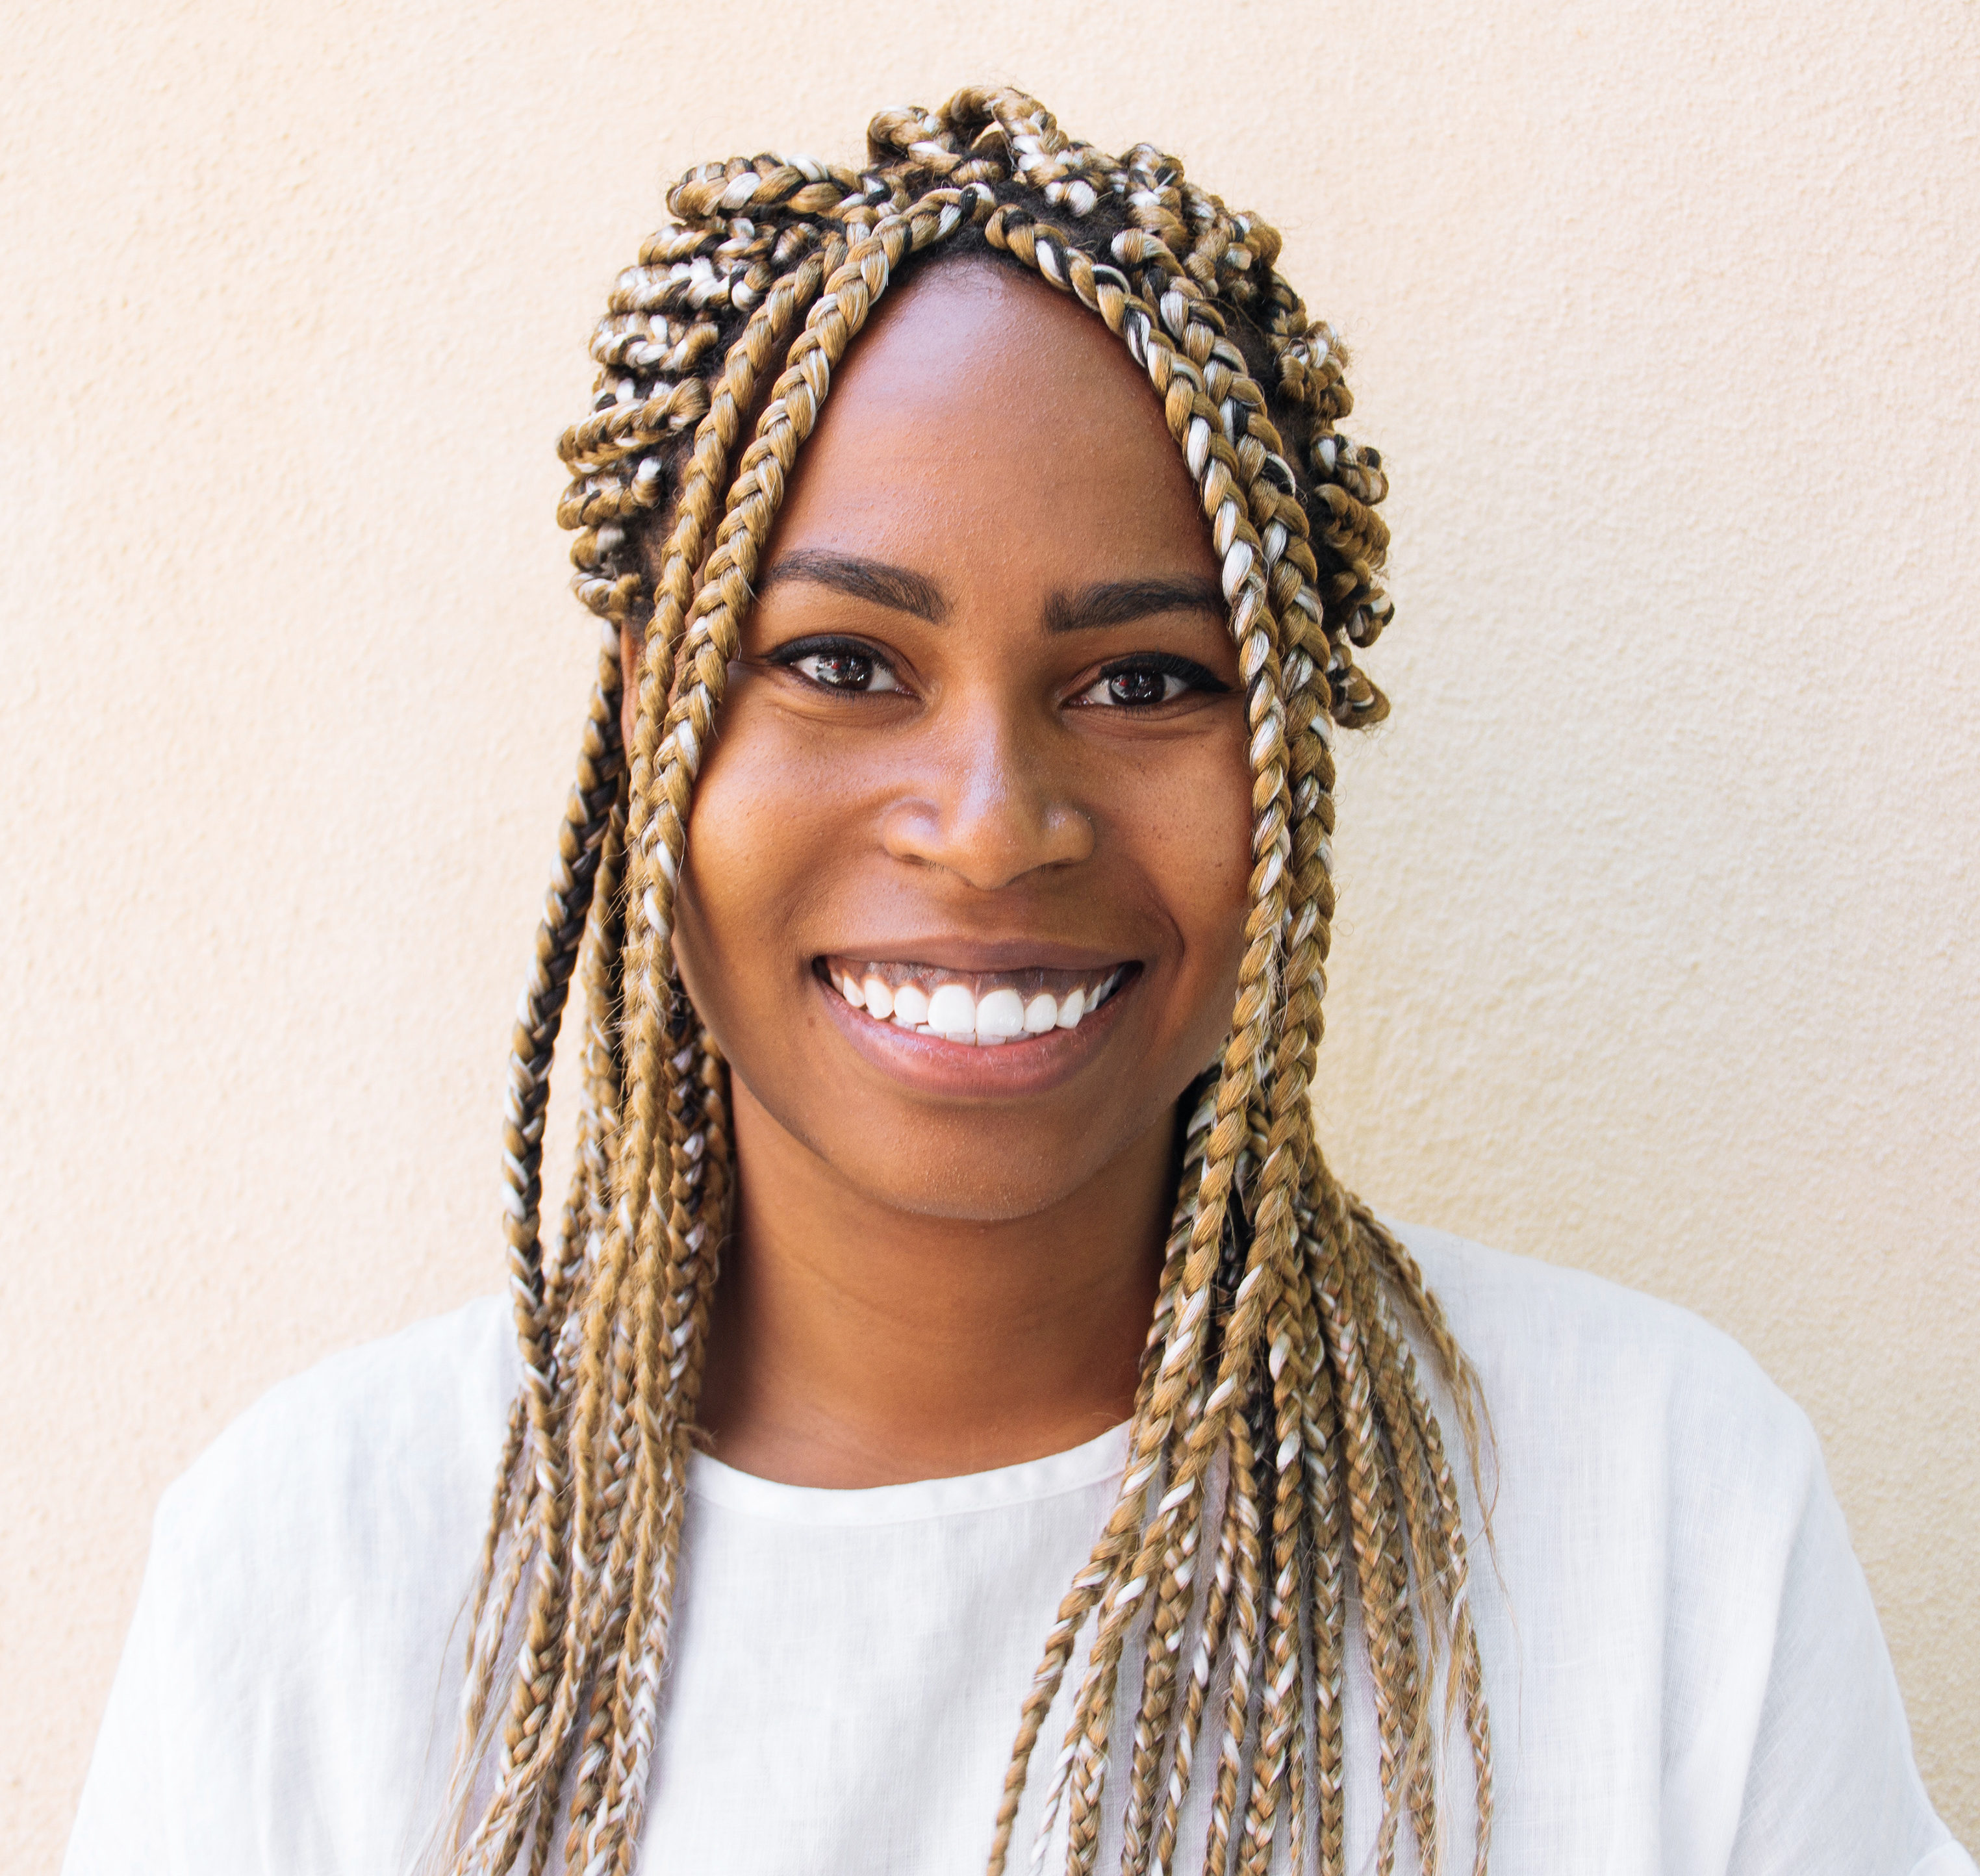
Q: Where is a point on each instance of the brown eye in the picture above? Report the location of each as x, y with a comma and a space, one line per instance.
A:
844, 668
1140, 686
1148, 680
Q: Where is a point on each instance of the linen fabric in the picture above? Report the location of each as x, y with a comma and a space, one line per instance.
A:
1684, 1667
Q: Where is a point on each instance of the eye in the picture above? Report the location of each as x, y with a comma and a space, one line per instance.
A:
838, 665
1146, 681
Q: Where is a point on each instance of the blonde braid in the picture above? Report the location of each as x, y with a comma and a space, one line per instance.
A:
1171, 1602
674, 1285
610, 1394
1210, 1650
1209, 454
1244, 1647
1283, 1693
1121, 1569
602, 1391
1427, 1554
586, 1219
1277, 1397
1435, 1536
1321, 1431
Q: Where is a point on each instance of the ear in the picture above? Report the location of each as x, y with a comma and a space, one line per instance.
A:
632, 647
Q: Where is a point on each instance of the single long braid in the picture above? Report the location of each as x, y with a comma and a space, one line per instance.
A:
1284, 1454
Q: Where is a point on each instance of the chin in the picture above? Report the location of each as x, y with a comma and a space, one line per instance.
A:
962, 1172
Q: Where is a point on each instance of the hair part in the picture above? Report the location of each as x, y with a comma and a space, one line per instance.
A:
1285, 1457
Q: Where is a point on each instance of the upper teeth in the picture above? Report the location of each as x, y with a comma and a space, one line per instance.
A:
988, 1013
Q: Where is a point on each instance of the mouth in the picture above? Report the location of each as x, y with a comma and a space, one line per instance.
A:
978, 1009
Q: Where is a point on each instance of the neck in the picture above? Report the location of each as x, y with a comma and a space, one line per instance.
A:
856, 1344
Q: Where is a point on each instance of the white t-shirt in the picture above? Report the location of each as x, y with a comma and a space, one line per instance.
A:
1684, 1669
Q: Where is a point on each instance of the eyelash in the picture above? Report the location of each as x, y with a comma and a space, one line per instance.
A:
1186, 671
789, 657
1168, 665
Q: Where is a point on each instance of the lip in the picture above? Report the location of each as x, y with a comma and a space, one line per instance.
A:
960, 1071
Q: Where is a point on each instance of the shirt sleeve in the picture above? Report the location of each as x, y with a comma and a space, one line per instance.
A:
196, 1768
286, 1702
117, 1828
1831, 1789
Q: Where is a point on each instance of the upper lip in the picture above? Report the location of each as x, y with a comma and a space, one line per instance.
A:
947, 952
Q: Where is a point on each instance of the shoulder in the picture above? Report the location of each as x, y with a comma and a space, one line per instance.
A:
340, 1515
1574, 1360
283, 1698
1642, 1470
1506, 1304
1673, 1608
390, 1430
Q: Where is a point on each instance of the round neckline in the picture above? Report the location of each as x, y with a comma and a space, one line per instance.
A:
1096, 1462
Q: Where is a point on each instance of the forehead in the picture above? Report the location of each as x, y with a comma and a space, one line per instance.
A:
980, 401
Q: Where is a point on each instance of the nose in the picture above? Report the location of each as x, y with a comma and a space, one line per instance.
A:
987, 801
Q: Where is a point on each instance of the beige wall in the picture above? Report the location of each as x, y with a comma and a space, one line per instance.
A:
1658, 953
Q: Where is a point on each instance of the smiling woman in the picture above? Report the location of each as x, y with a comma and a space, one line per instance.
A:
983, 748
962, 1422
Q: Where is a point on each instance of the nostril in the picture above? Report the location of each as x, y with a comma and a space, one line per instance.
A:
990, 843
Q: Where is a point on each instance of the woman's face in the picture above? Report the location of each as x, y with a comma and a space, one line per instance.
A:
966, 867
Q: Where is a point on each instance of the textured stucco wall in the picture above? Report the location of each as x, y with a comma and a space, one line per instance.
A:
1658, 952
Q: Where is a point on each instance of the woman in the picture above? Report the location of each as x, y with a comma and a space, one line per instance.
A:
962, 1419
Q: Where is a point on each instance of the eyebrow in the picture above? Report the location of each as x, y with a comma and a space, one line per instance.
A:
1094, 608
894, 587
1119, 602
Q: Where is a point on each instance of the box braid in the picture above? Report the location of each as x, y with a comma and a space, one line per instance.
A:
1281, 1432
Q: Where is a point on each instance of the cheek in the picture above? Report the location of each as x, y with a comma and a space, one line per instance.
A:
1201, 842
1184, 825
761, 817
1220, 892
1227, 833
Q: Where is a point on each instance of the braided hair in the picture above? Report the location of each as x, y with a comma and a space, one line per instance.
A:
1283, 1453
